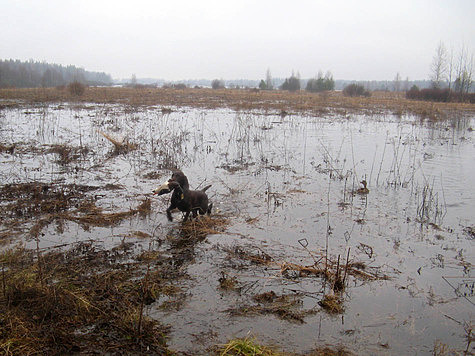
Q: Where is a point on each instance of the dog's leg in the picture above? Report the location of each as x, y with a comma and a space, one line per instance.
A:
187, 214
169, 214
169, 210
209, 209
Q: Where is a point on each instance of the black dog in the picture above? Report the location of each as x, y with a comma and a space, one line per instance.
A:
186, 200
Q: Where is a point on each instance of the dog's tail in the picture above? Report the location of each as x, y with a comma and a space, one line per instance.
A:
206, 188
209, 209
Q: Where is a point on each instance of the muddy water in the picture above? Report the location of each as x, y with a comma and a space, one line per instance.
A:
279, 180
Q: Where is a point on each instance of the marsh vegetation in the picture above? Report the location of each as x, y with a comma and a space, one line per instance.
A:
298, 253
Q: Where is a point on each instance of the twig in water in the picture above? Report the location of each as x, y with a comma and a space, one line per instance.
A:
38, 257
3, 282
346, 267
328, 224
144, 292
382, 158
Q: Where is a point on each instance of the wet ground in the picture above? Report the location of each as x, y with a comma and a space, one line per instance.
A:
288, 189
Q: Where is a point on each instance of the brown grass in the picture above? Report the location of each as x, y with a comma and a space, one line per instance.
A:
85, 301
197, 229
281, 306
238, 99
332, 303
330, 271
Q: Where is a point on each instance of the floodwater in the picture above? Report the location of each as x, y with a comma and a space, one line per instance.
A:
288, 187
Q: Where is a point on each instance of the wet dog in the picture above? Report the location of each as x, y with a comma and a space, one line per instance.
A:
184, 199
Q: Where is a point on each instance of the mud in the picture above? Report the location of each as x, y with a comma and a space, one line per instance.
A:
297, 252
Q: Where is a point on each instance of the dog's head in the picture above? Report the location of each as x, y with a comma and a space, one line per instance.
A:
180, 178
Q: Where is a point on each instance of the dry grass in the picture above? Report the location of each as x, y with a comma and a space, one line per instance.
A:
41, 203
285, 307
197, 229
332, 303
238, 99
120, 145
85, 300
246, 347
249, 346
96, 217
329, 270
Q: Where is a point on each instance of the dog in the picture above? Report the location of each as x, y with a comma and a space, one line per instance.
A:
186, 200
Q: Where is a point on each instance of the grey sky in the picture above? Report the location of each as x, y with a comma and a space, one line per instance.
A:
175, 39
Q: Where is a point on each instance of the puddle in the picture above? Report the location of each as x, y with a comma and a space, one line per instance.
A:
289, 188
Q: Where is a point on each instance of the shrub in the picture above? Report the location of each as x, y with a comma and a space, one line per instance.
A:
291, 84
174, 86
355, 90
76, 88
432, 94
320, 84
217, 84
441, 95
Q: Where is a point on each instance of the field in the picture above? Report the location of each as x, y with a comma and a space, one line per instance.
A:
299, 254
271, 101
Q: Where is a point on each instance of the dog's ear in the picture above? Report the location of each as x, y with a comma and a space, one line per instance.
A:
172, 184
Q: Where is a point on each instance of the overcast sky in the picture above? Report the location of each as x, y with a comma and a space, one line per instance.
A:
174, 39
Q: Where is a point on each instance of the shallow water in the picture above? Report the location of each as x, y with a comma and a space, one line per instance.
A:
280, 180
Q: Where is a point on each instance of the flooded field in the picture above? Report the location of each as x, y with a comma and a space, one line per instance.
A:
352, 231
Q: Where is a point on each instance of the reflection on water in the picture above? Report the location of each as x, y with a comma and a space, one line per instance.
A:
295, 178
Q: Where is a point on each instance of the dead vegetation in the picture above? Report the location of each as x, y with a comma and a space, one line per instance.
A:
26, 200
121, 145
285, 307
227, 282
331, 270
249, 346
332, 273
41, 204
268, 101
44, 203
195, 230
67, 154
246, 347
332, 303
85, 300
470, 231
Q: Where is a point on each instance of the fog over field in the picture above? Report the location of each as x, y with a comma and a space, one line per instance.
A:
364, 40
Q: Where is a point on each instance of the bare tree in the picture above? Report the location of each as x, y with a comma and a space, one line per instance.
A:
269, 83
406, 84
464, 72
397, 82
439, 66
133, 80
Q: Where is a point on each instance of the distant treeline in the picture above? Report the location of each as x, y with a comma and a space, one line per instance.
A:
384, 85
31, 74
